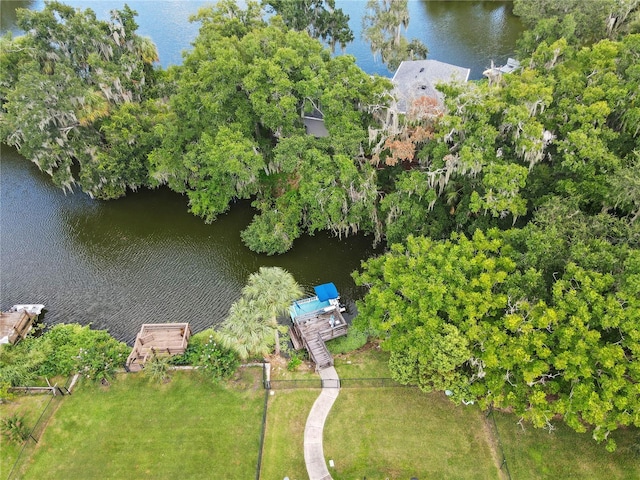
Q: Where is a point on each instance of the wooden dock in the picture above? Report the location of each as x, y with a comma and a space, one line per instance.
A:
161, 339
16, 323
312, 330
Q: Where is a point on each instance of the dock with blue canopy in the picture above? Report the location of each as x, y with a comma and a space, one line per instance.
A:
315, 320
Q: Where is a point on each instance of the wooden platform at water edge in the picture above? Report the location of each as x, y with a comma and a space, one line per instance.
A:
161, 339
312, 329
17, 322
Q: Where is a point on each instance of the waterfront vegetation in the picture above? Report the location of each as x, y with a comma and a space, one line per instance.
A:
192, 427
511, 213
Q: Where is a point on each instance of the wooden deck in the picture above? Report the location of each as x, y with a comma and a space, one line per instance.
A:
159, 339
14, 326
311, 331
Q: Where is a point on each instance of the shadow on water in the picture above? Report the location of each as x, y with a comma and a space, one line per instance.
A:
142, 258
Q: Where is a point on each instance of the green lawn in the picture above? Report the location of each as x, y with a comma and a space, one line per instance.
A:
378, 432
28, 406
190, 428
367, 363
283, 453
537, 454
135, 428
403, 433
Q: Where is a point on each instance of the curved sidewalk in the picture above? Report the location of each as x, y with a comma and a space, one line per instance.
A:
313, 452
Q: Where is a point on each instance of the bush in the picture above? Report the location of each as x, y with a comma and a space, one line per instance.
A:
192, 354
217, 361
19, 363
158, 368
15, 428
353, 340
294, 363
5, 394
205, 351
75, 348
62, 350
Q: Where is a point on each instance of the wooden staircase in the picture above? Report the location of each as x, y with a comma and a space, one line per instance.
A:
319, 353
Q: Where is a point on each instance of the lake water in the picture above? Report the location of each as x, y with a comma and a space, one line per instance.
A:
144, 259
465, 33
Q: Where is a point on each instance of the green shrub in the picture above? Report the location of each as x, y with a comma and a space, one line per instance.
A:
62, 350
15, 428
76, 348
217, 361
294, 363
19, 363
205, 351
353, 340
158, 368
5, 394
193, 352
17, 375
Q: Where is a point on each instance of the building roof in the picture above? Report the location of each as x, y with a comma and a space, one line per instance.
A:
315, 127
417, 78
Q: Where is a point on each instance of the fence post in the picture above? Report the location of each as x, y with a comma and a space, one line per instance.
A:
266, 375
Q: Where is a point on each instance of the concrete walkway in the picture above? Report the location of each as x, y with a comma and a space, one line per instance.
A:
313, 452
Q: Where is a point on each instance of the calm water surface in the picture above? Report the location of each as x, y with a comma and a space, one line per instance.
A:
143, 258
140, 259
466, 33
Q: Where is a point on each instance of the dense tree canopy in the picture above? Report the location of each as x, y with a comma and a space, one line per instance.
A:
242, 91
470, 316
75, 97
320, 18
511, 211
541, 319
580, 22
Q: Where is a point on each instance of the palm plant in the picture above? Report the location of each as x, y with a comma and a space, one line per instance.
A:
272, 289
252, 325
244, 332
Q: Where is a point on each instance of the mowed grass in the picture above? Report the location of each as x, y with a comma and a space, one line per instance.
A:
191, 428
370, 362
30, 407
283, 453
379, 433
136, 428
537, 454
402, 433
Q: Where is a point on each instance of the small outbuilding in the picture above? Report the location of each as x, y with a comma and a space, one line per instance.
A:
160, 339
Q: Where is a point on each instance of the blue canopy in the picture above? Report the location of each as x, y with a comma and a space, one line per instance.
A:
326, 291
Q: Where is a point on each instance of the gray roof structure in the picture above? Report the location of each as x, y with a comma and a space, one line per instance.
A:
417, 78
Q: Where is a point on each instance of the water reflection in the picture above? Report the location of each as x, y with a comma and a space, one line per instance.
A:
8, 16
465, 33
469, 34
142, 258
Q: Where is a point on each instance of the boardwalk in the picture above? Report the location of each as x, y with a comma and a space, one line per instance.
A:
311, 331
314, 320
